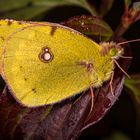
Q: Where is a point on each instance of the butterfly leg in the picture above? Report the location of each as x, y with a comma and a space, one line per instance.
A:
110, 83
121, 68
92, 102
79, 98
92, 99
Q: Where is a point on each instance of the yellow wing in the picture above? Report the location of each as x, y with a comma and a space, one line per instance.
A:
6, 28
41, 63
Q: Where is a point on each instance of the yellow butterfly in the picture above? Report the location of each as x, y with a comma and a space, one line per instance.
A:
44, 63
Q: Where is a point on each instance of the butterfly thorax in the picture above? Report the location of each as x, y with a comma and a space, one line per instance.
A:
100, 69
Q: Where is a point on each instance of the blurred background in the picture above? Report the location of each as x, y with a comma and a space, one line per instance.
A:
123, 121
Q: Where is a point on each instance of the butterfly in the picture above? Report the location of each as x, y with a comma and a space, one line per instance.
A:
45, 63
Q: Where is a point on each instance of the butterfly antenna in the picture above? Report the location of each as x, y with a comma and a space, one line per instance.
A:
128, 57
135, 40
121, 68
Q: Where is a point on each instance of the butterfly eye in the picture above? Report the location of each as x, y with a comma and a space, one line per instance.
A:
113, 52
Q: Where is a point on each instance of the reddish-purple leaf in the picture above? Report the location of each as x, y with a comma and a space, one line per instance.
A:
93, 27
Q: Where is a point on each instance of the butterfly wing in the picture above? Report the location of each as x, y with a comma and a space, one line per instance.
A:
36, 77
6, 28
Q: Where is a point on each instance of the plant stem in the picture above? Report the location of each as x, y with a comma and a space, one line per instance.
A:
129, 17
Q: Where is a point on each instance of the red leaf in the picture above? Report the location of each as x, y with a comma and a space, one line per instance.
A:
93, 27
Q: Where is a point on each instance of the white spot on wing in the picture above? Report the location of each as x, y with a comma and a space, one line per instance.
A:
47, 56
46, 49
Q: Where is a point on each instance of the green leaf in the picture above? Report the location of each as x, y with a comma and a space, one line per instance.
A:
12, 4
134, 85
25, 13
81, 3
117, 136
127, 3
28, 9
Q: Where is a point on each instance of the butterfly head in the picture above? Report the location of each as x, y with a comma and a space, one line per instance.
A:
112, 49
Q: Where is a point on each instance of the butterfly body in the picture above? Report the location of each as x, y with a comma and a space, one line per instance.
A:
44, 63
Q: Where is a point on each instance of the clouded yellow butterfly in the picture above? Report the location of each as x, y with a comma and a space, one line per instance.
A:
43, 63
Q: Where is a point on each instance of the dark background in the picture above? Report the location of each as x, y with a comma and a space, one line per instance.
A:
121, 119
